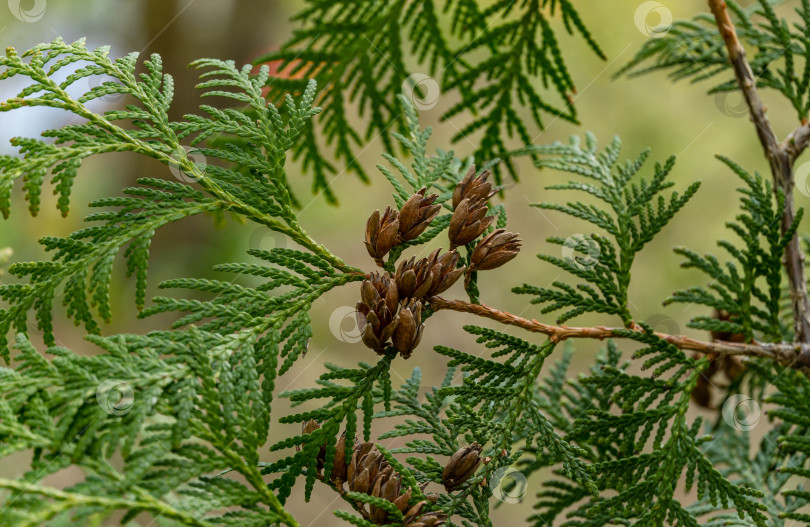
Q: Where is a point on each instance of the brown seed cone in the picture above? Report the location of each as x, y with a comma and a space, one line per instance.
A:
476, 188
377, 310
413, 278
416, 214
429, 276
340, 468
386, 485
381, 233
366, 463
401, 502
443, 269
462, 466
380, 287
429, 519
469, 221
494, 250
409, 330
413, 513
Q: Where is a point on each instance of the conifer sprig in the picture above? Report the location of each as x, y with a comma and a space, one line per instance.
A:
634, 212
362, 54
750, 287
250, 182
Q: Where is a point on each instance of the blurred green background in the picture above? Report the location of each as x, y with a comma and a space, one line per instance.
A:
677, 119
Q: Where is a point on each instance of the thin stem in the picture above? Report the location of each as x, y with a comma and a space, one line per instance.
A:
780, 158
795, 355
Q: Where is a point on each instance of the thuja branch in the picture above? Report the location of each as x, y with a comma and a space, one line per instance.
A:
795, 355
66, 500
780, 158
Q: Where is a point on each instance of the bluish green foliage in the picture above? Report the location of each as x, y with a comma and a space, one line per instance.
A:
364, 52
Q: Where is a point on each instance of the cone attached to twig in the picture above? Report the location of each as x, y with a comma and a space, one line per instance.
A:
475, 188
366, 463
494, 250
386, 485
429, 276
461, 466
409, 330
414, 518
340, 468
416, 214
377, 310
469, 221
381, 233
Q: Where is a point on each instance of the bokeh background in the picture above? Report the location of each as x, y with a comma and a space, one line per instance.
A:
652, 112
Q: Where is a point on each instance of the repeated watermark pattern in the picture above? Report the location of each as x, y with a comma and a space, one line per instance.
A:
421, 90
801, 177
508, 485
741, 412
27, 10
588, 249
653, 19
731, 103
267, 240
176, 161
344, 324
96, 81
663, 324
115, 397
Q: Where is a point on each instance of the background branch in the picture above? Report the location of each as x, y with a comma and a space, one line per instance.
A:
780, 158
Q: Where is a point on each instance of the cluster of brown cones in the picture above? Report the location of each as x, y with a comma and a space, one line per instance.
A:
370, 473
390, 307
730, 366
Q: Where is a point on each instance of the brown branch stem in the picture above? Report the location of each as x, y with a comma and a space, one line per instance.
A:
780, 158
795, 355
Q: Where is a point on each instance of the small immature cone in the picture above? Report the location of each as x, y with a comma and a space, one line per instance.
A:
409, 330
469, 221
494, 250
475, 188
381, 233
461, 466
416, 214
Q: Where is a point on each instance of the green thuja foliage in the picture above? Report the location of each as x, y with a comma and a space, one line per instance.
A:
632, 212
365, 53
183, 426
748, 288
